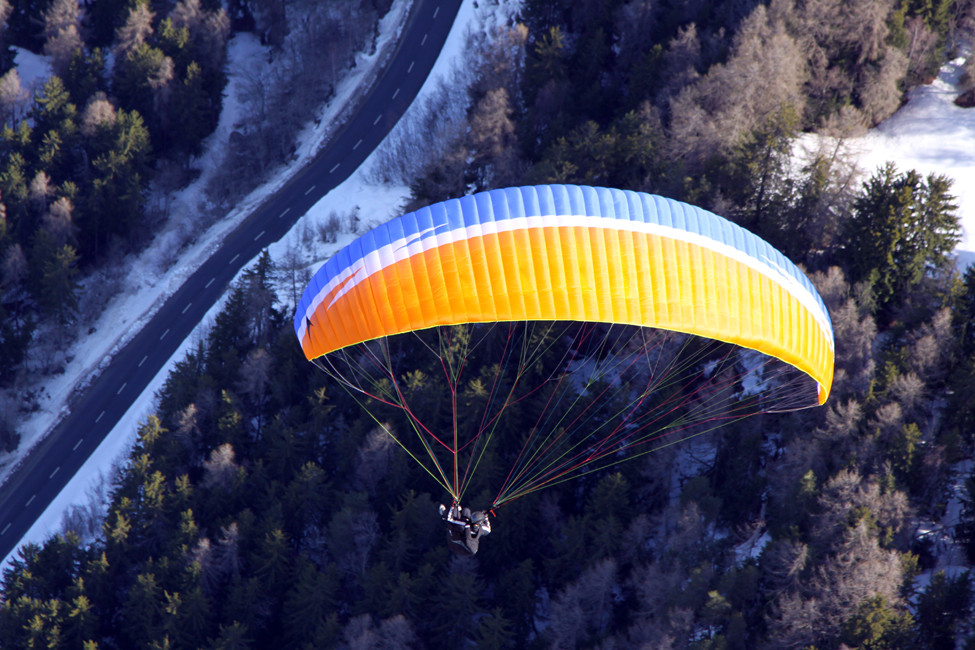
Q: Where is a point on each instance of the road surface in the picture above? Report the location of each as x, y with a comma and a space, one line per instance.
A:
52, 463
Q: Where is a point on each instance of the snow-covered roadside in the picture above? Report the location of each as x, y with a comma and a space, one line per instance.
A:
375, 203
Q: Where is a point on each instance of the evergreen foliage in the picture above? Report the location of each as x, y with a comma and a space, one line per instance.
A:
75, 143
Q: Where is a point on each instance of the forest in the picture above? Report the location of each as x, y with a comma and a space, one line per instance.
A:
262, 508
89, 159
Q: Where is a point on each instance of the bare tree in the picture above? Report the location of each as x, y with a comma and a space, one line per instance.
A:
352, 533
635, 22
372, 459
847, 53
62, 22
584, 607
221, 468
783, 563
208, 32
854, 331
930, 347
765, 72
255, 375
878, 89
679, 64
98, 112
135, 31
362, 633
40, 191
5, 10
857, 570
492, 141
57, 222
13, 267
13, 97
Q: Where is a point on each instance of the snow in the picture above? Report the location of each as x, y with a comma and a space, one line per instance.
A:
929, 133
949, 555
933, 135
32, 69
159, 272
752, 547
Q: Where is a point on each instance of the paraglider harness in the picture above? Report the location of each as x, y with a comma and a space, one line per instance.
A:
464, 528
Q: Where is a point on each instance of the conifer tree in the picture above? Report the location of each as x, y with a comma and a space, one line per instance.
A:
903, 227
58, 287
308, 602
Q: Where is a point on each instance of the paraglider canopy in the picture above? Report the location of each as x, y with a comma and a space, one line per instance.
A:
623, 317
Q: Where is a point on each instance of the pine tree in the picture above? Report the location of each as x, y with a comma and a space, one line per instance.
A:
58, 288
85, 75
195, 620
53, 109
308, 602
903, 227
143, 82
458, 605
143, 611
231, 637
877, 625
115, 199
942, 607
7, 53
494, 631
274, 562
189, 112
13, 187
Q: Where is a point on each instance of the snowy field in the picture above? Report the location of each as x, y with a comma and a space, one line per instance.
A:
929, 133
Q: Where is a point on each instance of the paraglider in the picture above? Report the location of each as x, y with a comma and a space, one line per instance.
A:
464, 528
584, 326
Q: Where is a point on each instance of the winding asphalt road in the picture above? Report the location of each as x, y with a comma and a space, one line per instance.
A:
52, 463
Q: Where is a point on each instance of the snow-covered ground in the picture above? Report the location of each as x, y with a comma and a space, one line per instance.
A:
933, 135
911, 139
